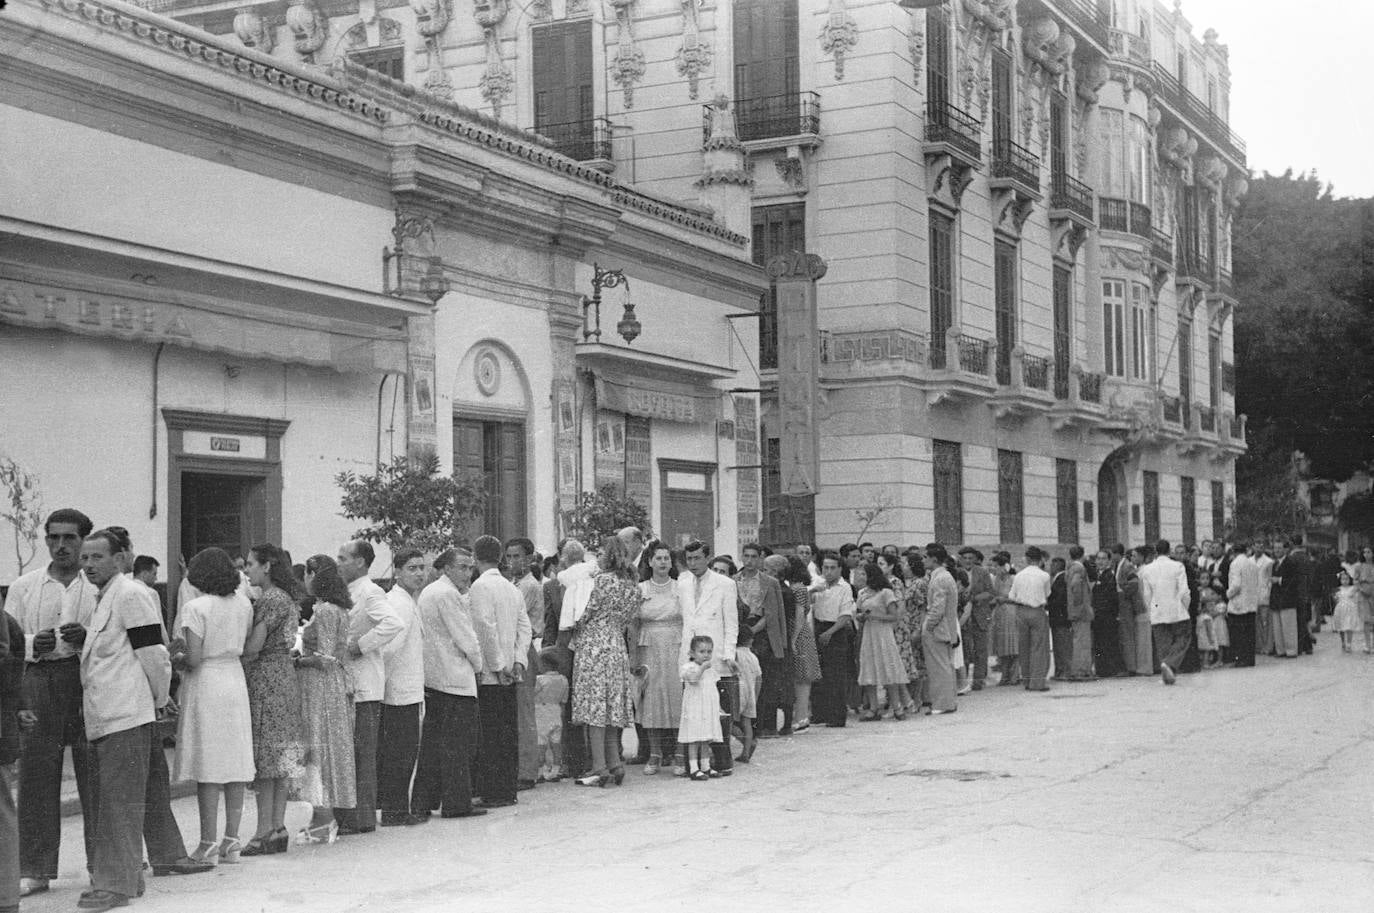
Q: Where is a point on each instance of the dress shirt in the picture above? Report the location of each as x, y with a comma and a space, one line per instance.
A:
372, 624
1030, 587
1266, 572
829, 604
39, 602
577, 589
452, 655
1164, 587
1243, 594
403, 658
710, 606
533, 595
501, 623
125, 669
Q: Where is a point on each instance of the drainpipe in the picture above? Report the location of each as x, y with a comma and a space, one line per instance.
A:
157, 359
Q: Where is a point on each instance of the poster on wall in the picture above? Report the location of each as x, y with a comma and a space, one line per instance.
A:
747, 485
566, 433
610, 451
638, 467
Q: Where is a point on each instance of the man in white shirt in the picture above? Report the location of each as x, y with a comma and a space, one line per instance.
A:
403, 660
503, 629
832, 609
519, 552
453, 658
1164, 587
710, 607
1264, 630
1242, 604
42, 601
372, 624
125, 673
1030, 591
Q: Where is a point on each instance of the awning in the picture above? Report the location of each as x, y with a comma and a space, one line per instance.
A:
231, 328
653, 398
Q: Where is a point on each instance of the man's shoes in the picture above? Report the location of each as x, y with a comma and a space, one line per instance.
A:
1166, 673
30, 886
1041, 688
403, 819
183, 866
522, 785
499, 803
101, 900
348, 830
470, 813
977, 686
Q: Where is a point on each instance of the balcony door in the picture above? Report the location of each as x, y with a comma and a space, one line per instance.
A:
1004, 291
941, 285
1059, 136
767, 72
494, 451
1001, 101
562, 80
937, 56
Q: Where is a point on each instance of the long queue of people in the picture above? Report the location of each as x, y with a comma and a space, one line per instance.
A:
483, 672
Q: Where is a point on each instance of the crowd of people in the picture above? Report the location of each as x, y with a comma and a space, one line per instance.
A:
481, 672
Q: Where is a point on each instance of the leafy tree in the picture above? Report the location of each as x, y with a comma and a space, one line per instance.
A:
1356, 514
1267, 502
599, 514
25, 510
410, 504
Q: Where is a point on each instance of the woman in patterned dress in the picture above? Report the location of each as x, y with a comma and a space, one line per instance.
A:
913, 566
1003, 643
601, 663
329, 781
806, 659
896, 578
274, 695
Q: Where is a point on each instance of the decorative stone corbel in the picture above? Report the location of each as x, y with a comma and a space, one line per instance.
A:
496, 82
1092, 78
792, 172
540, 10
253, 31
628, 64
839, 35
309, 26
431, 18
1068, 238
916, 46
694, 57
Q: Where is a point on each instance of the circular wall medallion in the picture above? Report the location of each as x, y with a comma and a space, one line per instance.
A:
487, 371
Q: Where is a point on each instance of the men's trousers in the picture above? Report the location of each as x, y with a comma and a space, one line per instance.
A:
722, 754
1171, 642
1304, 622
976, 650
1107, 658
398, 747
9, 838
367, 716
498, 758
53, 690
776, 691
828, 696
1264, 631
452, 732
121, 788
528, 739
1284, 623
1033, 645
161, 833
1242, 628
1061, 647
940, 678
1082, 665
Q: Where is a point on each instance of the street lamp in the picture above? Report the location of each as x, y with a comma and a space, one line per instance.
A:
434, 284
628, 326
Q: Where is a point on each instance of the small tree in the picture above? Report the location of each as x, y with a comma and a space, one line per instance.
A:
410, 504
24, 511
600, 514
874, 517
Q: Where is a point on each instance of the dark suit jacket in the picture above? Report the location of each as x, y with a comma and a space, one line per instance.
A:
11, 686
1058, 603
982, 595
553, 608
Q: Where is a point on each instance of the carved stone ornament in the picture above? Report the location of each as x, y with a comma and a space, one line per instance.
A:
694, 57
309, 26
1092, 78
956, 175
627, 68
839, 35
1015, 210
916, 46
722, 133
1068, 238
540, 10
1127, 258
795, 266
792, 173
431, 16
253, 31
496, 81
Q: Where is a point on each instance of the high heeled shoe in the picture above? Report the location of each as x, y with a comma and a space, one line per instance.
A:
278, 841
229, 850
593, 779
324, 833
617, 775
257, 846
207, 852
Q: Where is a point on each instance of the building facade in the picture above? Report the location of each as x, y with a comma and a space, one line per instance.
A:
234, 272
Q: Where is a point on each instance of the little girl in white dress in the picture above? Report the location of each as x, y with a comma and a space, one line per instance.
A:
1347, 615
700, 725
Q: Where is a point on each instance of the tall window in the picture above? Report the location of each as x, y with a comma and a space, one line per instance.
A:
1151, 506
1063, 329
1140, 331
495, 452
387, 61
1188, 228
777, 230
941, 284
1059, 135
1187, 488
1114, 327
1214, 371
1004, 279
562, 80
1066, 499
767, 76
1218, 510
937, 55
1185, 360
1001, 100
948, 460
1127, 160
1011, 500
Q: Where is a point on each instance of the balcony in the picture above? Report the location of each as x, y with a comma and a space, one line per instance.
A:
1207, 419
795, 117
1225, 286
1192, 267
951, 130
975, 355
1125, 216
1023, 380
1233, 434
1162, 249
1195, 113
1071, 200
953, 367
1016, 167
1080, 402
1036, 371
1090, 387
587, 140
1089, 17
1130, 47
1172, 410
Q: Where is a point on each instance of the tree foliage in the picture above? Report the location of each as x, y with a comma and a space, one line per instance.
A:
24, 512
599, 514
1356, 513
409, 503
1267, 502
1303, 336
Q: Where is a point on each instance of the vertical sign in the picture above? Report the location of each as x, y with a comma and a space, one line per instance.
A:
638, 468
747, 480
422, 430
609, 443
795, 276
566, 431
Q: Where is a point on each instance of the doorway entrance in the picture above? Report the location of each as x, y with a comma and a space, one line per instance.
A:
688, 502
1111, 502
222, 511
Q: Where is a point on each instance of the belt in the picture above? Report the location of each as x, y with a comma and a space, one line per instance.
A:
64, 661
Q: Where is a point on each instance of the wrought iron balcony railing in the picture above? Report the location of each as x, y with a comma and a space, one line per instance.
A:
1207, 418
584, 140
1036, 371
1071, 194
1173, 413
1090, 387
1061, 380
771, 116
947, 124
1206, 120
1140, 221
1133, 47
1092, 16
973, 354
1185, 413
1015, 162
1162, 247
1126, 216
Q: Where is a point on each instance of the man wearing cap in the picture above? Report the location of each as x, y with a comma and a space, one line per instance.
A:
1030, 591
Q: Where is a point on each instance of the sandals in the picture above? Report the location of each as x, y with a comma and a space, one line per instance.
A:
229, 850
653, 765
870, 717
698, 775
324, 833
209, 852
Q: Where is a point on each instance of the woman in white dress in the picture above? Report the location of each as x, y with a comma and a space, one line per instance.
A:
215, 730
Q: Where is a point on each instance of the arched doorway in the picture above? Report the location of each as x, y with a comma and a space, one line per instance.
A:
1112, 521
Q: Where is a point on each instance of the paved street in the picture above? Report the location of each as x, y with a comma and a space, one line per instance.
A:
1234, 790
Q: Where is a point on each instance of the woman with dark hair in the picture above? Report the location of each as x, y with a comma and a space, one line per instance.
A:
806, 659
326, 703
274, 693
601, 664
1003, 643
880, 662
215, 729
907, 643
656, 639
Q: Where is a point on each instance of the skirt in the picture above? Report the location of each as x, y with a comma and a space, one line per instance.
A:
215, 729
1347, 616
660, 707
750, 678
1003, 641
806, 660
880, 662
